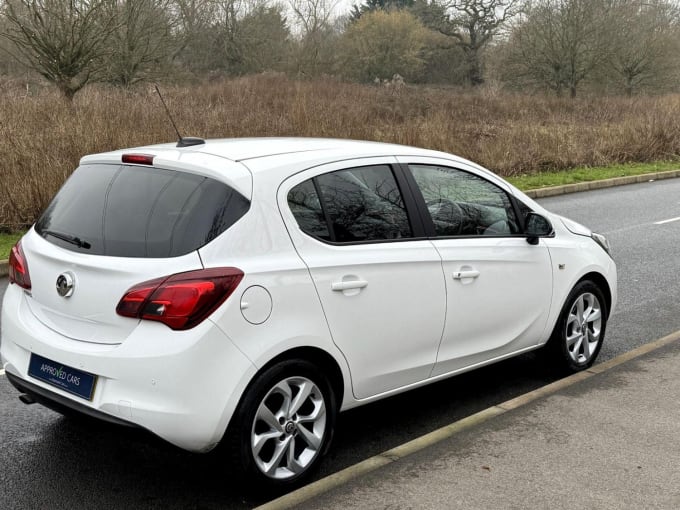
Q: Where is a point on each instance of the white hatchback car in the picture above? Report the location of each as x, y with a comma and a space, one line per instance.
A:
247, 290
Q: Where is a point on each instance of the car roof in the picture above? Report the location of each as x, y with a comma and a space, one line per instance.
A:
274, 157
243, 149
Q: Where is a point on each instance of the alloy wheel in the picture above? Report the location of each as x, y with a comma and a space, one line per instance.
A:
583, 328
288, 429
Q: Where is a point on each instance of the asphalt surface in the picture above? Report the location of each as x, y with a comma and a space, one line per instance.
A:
49, 460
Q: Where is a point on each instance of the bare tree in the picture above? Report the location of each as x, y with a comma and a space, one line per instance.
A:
314, 20
313, 15
194, 35
226, 21
472, 24
231, 36
142, 42
65, 41
645, 45
559, 43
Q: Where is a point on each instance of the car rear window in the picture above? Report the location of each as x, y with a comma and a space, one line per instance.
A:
133, 211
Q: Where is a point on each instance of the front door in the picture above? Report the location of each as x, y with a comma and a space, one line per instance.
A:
498, 286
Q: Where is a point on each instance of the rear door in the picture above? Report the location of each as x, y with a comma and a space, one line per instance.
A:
112, 226
498, 286
379, 281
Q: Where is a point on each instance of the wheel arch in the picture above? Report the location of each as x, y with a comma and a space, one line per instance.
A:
592, 275
601, 282
319, 357
315, 355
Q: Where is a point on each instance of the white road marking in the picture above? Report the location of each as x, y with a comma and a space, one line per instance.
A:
2, 371
667, 221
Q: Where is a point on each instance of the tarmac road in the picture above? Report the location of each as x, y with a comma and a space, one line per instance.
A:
51, 461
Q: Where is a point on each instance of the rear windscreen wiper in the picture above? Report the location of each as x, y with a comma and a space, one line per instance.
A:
68, 238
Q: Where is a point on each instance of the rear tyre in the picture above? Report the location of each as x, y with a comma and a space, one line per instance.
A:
580, 329
284, 424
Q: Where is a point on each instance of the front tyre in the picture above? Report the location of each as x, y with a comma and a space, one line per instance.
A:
579, 332
284, 424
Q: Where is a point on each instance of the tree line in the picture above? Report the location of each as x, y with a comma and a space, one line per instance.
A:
562, 46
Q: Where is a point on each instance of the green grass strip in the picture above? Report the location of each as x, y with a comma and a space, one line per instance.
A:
6, 243
587, 174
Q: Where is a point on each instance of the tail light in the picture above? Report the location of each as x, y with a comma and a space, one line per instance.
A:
183, 300
18, 268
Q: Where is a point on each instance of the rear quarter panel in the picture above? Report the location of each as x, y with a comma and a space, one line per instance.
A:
260, 246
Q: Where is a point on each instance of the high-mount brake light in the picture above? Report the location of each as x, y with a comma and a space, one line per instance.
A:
138, 159
182, 300
18, 268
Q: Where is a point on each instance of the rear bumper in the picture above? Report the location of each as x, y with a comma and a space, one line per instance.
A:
59, 403
183, 386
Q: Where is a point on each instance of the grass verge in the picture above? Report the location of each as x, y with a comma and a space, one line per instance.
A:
6, 243
587, 174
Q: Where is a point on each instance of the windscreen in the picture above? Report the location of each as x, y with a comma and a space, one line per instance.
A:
135, 211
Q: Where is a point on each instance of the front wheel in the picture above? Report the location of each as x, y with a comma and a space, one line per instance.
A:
284, 424
579, 332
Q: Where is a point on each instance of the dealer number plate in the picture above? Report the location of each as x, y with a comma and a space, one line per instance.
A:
64, 377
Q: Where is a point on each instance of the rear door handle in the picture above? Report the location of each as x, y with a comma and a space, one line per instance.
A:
348, 285
459, 275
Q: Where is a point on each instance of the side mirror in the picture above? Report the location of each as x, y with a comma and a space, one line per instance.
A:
536, 226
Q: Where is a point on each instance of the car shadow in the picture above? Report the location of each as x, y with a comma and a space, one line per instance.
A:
380, 426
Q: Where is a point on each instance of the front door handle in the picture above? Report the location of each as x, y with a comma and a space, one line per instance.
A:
348, 285
459, 275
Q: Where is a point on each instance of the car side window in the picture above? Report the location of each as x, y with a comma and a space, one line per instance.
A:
305, 205
463, 204
357, 204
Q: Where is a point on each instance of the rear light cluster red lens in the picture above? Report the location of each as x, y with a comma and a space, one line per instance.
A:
18, 268
183, 300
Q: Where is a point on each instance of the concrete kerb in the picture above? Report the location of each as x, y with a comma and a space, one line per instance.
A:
606, 183
319, 487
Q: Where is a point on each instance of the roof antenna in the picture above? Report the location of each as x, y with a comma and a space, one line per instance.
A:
186, 141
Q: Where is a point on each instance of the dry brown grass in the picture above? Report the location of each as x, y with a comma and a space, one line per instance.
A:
42, 137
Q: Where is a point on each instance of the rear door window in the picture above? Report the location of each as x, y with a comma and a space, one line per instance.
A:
132, 211
355, 205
